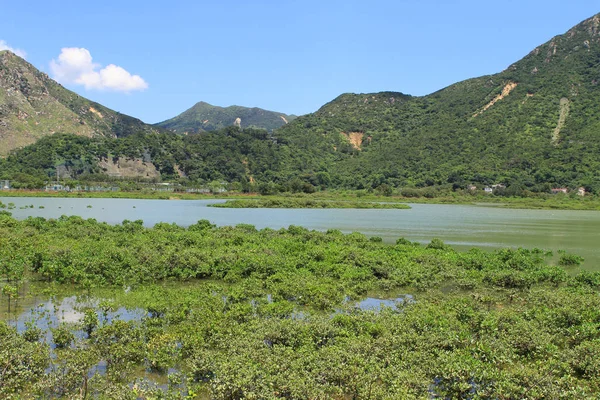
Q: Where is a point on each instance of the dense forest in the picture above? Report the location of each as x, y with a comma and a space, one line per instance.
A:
230, 155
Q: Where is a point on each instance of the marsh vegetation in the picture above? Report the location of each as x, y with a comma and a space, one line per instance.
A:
236, 312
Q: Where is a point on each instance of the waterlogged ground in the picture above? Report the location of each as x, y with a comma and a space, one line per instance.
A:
126, 311
48, 307
37, 305
45, 308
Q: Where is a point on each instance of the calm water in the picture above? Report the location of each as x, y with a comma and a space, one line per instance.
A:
48, 311
461, 226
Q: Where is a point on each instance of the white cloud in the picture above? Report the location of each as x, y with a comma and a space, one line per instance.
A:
5, 46
75, 65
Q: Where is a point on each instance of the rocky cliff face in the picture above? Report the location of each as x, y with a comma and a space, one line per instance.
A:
32, 105
122, 167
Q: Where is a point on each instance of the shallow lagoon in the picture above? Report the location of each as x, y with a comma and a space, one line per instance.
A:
462, 226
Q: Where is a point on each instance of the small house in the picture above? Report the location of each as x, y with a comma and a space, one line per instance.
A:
581, 191
559, 190
488, 189
5, 185
472, 188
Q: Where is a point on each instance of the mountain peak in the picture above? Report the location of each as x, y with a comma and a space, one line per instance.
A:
206, 117
32, 105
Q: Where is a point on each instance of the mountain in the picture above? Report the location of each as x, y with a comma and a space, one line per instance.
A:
32, 106
535, 124
205, 117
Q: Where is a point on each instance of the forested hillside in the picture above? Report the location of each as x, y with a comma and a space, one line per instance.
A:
532, 127
229, 155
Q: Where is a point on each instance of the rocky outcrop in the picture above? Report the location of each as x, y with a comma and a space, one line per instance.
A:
128, 168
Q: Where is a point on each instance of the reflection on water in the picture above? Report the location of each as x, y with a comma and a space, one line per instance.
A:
375, 304
47, 312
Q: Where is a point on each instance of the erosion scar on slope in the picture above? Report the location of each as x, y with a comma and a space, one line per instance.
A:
562, 118
509, 87
129, 168
96, 112
355, 139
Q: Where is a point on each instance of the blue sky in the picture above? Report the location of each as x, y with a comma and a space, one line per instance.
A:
154, 59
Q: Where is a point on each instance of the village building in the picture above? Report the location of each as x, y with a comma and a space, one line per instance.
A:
581, 191
497, 186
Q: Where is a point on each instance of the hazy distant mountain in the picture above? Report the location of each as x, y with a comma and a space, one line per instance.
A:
32, 105
205, 117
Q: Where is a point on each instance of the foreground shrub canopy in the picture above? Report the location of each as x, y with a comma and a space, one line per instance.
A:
271, 314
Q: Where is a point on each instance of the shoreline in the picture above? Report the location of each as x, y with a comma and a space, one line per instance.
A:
548, 203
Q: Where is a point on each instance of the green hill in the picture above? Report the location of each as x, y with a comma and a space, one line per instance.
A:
533, 126
32, 106
205, 117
